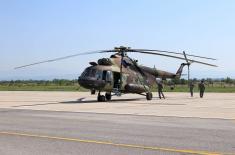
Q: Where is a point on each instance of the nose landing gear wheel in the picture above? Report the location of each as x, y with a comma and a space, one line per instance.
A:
149, 96
92, 91
108, 96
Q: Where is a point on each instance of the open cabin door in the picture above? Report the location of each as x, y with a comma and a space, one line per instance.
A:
117, 80
113, 81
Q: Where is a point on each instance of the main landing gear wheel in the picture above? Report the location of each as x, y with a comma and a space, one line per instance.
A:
108, 96
149, 96
100, 98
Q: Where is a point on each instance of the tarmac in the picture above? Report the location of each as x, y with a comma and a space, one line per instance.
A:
213, 105
75, 123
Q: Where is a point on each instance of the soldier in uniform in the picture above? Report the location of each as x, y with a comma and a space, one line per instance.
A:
201, 87
160, 88
191, 87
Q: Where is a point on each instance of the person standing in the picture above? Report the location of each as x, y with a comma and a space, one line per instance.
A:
160, 88
201, 87
191, 87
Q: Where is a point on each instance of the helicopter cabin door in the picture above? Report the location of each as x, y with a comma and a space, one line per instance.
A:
117, 80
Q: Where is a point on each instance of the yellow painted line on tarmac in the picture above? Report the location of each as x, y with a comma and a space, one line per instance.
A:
110, 143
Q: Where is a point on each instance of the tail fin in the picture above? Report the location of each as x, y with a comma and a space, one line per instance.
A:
180, 70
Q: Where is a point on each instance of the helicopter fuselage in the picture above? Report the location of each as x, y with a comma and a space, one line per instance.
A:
108, 75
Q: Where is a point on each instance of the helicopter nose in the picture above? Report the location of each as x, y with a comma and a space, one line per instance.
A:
91, 83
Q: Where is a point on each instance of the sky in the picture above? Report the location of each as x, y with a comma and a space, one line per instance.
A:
32, 31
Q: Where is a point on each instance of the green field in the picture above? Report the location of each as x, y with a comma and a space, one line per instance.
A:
34, 85
181, 88
41, 88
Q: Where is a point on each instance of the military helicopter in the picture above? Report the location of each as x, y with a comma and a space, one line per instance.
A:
121, 74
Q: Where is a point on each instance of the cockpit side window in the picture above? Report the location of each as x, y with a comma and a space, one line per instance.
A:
92, 73
98, 75
109, 76
104, 75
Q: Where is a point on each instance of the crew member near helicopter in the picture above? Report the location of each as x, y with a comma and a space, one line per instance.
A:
160, 88
201, 87
191, 87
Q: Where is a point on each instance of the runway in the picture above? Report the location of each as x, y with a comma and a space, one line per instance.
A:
26, 128
44, 132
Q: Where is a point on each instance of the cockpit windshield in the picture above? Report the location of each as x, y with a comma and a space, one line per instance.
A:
89, 73
92, 73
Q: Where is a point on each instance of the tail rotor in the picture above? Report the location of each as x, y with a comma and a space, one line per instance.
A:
188, 63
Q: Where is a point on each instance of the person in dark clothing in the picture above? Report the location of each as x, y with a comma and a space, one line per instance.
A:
191, 87
201, 87
160, 88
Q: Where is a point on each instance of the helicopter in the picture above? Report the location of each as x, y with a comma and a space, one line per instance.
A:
120, 74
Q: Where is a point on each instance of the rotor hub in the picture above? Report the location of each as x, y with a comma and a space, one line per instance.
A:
122, 50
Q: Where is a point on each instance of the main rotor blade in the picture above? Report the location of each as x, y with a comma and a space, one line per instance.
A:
171, 56
160, 51
62, 58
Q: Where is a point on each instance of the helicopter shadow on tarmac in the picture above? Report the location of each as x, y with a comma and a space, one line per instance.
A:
31, 105
78, 101
82, 101
90, 101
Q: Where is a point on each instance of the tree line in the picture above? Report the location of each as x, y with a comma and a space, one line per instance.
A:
54, 82
65, 82
209, 81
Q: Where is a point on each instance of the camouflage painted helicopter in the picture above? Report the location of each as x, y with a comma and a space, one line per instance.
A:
121, 74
